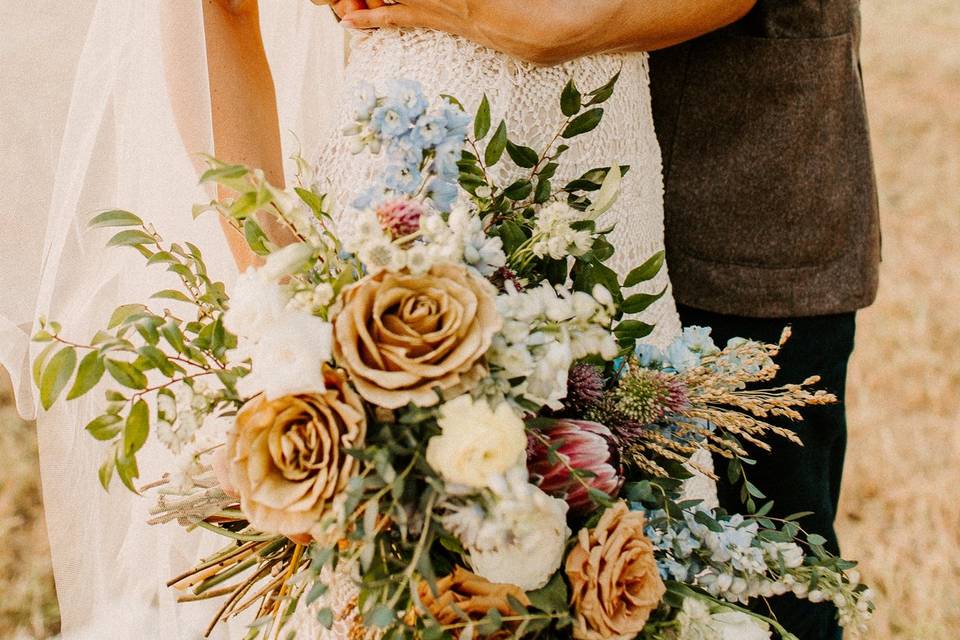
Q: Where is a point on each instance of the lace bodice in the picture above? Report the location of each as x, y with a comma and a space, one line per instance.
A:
527, 96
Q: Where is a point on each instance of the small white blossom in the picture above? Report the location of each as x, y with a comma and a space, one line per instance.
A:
287, 357
256, 303
522, 536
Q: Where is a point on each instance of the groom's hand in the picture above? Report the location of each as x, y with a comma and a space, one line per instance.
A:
554, 31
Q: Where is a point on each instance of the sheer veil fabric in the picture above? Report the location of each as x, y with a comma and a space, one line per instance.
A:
139, 111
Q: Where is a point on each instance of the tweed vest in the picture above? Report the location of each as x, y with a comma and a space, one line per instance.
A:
770, 194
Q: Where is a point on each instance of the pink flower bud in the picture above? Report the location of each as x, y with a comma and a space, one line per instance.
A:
400, 217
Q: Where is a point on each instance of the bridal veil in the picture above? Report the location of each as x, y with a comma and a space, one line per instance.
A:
139, 111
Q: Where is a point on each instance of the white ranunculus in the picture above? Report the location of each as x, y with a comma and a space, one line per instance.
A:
255, 304
735, 625
476, 441
524, 536
287, 357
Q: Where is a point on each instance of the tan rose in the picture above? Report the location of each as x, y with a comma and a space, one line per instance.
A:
613, 576
401, 337
286, 456
474, 596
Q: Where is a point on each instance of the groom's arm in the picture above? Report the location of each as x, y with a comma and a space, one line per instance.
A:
554, 31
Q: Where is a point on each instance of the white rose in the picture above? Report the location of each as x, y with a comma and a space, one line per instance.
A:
288, 356
476, 442
286, 261
734, 625
255, 304
529, 536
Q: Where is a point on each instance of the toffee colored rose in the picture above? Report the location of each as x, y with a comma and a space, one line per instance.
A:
401, 337
615, 584
474, 596
287, 459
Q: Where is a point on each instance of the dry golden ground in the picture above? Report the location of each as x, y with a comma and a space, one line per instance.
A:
900, 512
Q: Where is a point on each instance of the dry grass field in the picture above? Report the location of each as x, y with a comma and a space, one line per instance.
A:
900, 514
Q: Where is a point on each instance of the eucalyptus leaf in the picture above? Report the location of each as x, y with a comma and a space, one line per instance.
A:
105, 427
647, 271
115, 218
89, 373
640, 302
128, 471
256, 239
523, 157
543, 191
137, 428
172, 294
56, 375
312, 200
633, 329
570, 99
583, 123
224, 172
131, 237
126, 374
121, 313
496, 146
41, 360
518, 190
604, 93
481, 123
105, 473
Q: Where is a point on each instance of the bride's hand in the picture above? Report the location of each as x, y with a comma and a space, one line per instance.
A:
528, 30
341, 8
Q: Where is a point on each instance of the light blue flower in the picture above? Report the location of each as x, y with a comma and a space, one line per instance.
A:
698, 339
457, 120
429, 130
446, 157
681, 358
443, 193
391, 120
402, 178
409, 94
407, 152
649, 356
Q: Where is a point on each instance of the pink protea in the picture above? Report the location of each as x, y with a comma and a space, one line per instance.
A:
579, 444
400, 217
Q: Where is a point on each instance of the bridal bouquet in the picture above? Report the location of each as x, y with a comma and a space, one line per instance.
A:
444, 424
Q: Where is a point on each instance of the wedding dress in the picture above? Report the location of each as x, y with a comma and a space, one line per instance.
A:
139, 108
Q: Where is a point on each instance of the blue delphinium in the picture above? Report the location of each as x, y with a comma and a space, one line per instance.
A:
443, 193
423, 143
402, 178
688, 350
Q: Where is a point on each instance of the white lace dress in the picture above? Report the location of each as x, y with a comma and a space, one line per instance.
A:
527, 96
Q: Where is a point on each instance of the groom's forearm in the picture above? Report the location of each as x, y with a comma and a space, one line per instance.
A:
554, 31
604, 26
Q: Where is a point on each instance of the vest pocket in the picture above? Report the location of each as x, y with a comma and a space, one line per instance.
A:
769, 149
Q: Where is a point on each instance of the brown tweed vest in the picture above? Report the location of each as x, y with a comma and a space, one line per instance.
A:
771, 204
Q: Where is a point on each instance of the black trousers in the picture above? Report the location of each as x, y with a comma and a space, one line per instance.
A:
798, 478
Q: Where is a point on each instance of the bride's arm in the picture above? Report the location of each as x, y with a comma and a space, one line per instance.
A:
246, 128
554, 31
